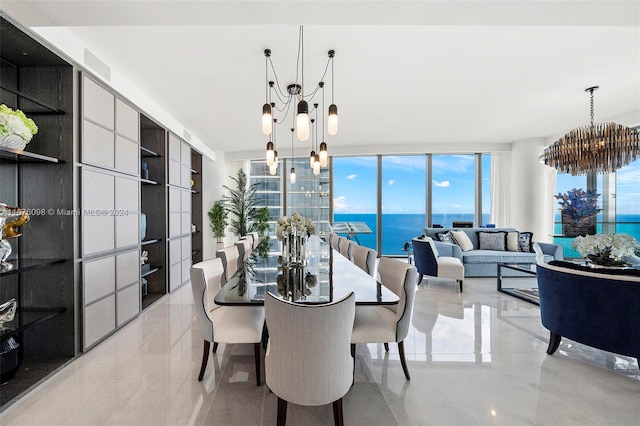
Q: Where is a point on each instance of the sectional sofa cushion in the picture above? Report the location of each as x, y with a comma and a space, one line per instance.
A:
512, 241
492, 240
462, 239
525, 242
445, 237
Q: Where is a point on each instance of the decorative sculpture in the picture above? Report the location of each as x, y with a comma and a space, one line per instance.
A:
11, 218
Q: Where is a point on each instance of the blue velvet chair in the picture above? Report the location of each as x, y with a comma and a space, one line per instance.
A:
428, 262
595, 309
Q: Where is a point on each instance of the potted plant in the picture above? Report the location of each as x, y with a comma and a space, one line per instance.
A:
607, 249
218, 218
247, 216
16, 129
578, 207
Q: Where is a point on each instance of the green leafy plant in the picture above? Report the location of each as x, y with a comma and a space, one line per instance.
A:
218, 217
246, 215
14, 122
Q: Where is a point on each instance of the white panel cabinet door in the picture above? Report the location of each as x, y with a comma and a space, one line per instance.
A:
98, 103
98, 278
128, 303
98, 145
99, 320
127, 121
98, 228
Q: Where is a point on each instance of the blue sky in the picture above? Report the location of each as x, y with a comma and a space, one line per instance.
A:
403, 184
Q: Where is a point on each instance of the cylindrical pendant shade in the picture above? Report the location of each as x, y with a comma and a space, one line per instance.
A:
292, 176
332, 120
273, 169
302, 121
324, 155
316, 165
267, 119
270, 154
312, 158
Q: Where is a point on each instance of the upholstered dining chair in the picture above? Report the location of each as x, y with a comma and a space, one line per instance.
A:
230, 257
364, 258
335, 242
223, 324
255, 239
427, 261
346, 247
308, 361
388, 323
245, 247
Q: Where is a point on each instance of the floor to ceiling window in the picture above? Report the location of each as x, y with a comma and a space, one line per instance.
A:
355, 193
309, 195
268, 191
453, 189
627, 197
486, 189
403, 200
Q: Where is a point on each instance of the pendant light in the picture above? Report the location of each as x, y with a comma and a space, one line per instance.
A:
332, 125
324, 155
292, 175
313, 152
270, 156
273, 168
266, 108
302, 118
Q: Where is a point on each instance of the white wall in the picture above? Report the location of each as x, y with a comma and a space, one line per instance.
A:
214, 175
532, 189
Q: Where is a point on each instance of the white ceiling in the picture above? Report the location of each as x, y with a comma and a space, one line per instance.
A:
409, 75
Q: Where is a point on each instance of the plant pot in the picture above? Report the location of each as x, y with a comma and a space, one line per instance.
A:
13, 142
572, 229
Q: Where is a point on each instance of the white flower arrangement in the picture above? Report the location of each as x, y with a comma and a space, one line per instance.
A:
16, 123
606, 248
303, 225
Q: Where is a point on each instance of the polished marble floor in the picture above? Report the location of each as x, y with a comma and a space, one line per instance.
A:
475, 358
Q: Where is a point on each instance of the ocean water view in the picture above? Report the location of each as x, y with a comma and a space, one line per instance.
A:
400, 228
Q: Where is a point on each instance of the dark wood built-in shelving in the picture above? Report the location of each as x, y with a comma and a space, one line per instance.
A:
18, 156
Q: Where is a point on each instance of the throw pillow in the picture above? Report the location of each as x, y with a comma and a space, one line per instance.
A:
492, 240
463, 240
512, 241
445, 237
525, 242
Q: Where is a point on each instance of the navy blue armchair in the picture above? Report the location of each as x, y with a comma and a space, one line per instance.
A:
428, 262
595, 309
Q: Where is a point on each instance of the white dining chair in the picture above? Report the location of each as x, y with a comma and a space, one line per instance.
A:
364, 258
230, 257
388, 323
223, 324
245, 247
335, 242
345, 247
308, 361
255, 239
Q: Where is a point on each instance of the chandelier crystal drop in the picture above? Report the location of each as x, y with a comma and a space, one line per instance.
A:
592, 149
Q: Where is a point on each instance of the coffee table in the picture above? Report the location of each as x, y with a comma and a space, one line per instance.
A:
523, 270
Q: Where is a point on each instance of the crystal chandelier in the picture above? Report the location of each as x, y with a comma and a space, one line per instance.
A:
296, 96
596, 148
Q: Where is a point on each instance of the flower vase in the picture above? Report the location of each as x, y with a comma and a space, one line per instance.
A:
570, 228
604, 259
13, 142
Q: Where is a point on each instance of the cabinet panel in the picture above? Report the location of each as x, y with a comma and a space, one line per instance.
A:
98, 104
185, 176
127, 230
175, 148
127, 195
99, 320
97, 145
175, 199
174, 173
127, 121
186, 248
97, 191
185, 155
98, 278
186, 201
128, 303
175, 276
174, 225
175, 252
127, 269
127, 156
185, 221
98, 234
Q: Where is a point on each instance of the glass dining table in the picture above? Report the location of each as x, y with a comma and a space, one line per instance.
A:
324, 277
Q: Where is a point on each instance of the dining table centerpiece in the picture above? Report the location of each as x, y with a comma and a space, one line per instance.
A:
16, 129
293, 231
606, 249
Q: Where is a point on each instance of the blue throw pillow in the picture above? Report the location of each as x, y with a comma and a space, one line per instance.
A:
525, 242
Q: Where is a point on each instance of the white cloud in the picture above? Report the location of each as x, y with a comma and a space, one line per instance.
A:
441, 184
339, 203
392, 181
352, 177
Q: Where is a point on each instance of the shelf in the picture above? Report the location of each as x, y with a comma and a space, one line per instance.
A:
150, 299
50, 109
151, 271
196, 232
193, 191
18, 156
24, 265
148, 153
144, 243
195, 252
148, 182
195, 172
35, 316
